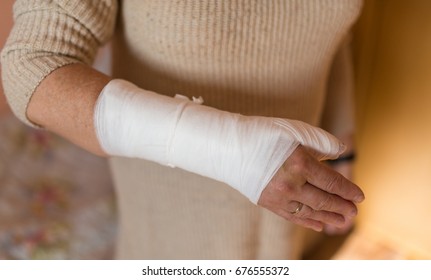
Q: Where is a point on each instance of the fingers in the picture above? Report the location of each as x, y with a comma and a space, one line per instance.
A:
328, 180
311, 194
316, 220
322, 145
320, 200
300, 220
327, 190
326, 217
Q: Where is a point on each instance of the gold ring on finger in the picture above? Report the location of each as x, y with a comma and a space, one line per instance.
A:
298, 209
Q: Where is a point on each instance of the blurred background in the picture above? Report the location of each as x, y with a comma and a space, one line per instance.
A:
59, 216
56, 200
392, 57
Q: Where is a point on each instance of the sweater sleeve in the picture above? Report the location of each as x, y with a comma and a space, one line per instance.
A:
49, 34
339, 116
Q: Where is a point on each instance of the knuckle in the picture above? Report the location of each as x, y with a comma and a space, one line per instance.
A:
299, 165
304, 214
333, 183
297, 162
289, 188
325, 203
285, 191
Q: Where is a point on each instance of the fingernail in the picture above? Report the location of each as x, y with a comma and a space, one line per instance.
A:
359, 198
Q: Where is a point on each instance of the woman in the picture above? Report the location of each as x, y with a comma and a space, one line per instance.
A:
256, 58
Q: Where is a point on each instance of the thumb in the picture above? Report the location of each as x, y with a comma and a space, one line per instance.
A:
320, 143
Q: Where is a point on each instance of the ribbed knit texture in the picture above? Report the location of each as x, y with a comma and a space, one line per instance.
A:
269, 58
47, 35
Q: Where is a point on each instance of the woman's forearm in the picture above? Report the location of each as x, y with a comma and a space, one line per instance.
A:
64, 104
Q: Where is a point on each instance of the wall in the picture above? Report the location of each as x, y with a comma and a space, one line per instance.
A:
392, 49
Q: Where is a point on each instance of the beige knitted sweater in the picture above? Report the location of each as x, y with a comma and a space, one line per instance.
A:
281, 58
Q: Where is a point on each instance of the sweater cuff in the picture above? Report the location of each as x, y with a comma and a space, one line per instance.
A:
34, 69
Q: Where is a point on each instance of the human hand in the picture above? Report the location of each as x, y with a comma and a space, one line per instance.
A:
309, 193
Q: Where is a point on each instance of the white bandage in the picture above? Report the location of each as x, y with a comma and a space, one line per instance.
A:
242, 151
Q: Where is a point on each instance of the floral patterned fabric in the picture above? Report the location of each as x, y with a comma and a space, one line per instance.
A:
56, 200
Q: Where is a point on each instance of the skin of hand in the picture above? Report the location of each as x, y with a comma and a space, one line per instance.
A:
329, 198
